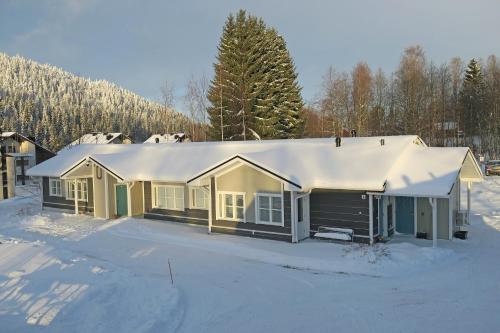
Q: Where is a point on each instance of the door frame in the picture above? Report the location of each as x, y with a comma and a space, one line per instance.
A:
126, 191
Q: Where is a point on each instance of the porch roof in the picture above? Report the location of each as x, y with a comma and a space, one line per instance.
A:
431, 172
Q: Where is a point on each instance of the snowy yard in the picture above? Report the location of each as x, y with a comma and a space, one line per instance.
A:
65, 273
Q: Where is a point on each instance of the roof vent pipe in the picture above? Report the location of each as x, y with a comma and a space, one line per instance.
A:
382, 142
338, 141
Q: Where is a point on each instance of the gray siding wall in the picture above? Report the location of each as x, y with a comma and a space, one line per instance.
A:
424, 217
193, 216
341, 209
63, 203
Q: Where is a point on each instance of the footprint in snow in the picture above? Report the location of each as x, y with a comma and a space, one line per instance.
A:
15, 274
98, 270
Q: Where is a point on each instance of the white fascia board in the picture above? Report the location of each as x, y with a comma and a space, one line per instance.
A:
420, 195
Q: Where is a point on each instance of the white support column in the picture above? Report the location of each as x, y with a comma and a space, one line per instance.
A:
293, 216
450, 219
370, 212
210, 213
143, 200
106, 193
468, 202
76, 198
415, 217
433, 203
129, 198
385, 212
93, 187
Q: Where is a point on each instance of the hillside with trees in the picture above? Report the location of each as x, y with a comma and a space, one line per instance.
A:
56, 107
451, 104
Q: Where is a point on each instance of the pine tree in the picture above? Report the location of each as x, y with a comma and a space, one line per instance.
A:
254, 93
472, 102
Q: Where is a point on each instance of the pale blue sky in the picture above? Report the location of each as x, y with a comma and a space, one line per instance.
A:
139, 44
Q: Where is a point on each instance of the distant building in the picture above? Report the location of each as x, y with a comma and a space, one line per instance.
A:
101, 138
168, 138
25, 153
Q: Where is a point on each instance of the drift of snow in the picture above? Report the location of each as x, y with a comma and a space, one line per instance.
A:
66, 273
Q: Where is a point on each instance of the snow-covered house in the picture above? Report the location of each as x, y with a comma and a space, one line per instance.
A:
366, 188
101, 138
168, 138
25, 153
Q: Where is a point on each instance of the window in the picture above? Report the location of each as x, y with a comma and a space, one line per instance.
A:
269, 210
81, 189
169, 197
55, 187
199, 198
21, 162
231, 206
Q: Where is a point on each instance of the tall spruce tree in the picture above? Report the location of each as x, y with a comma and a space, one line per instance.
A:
472, 102
254, 93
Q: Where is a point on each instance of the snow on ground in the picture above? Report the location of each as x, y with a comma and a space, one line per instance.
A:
60, 273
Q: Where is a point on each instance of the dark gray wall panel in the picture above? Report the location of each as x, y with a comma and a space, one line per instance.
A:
254, 234
172, 218
340, 209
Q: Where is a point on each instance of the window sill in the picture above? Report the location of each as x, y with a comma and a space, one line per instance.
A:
165, 208
280, 224
230, 220
73, 199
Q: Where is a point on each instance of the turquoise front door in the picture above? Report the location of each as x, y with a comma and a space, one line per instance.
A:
121, 200
405, 215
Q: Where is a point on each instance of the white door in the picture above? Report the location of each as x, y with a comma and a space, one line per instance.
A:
303, 224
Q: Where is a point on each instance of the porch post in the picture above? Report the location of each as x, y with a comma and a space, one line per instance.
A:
433, 203
450, 219
76, 197
385, 211
415, 216
293, 198
129, 199
468, 202
370, 212
106, 193
210, 213
93, 188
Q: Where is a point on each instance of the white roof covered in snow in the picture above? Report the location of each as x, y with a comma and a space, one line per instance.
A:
95, 138
7, 134
426, 172
166, 138
359, 164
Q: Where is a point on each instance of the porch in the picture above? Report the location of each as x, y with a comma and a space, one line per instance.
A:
112, 196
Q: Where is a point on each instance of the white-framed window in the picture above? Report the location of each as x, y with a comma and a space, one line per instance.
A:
231, 206
199, 198
55, 189
168, 197
269, 208
80, 185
